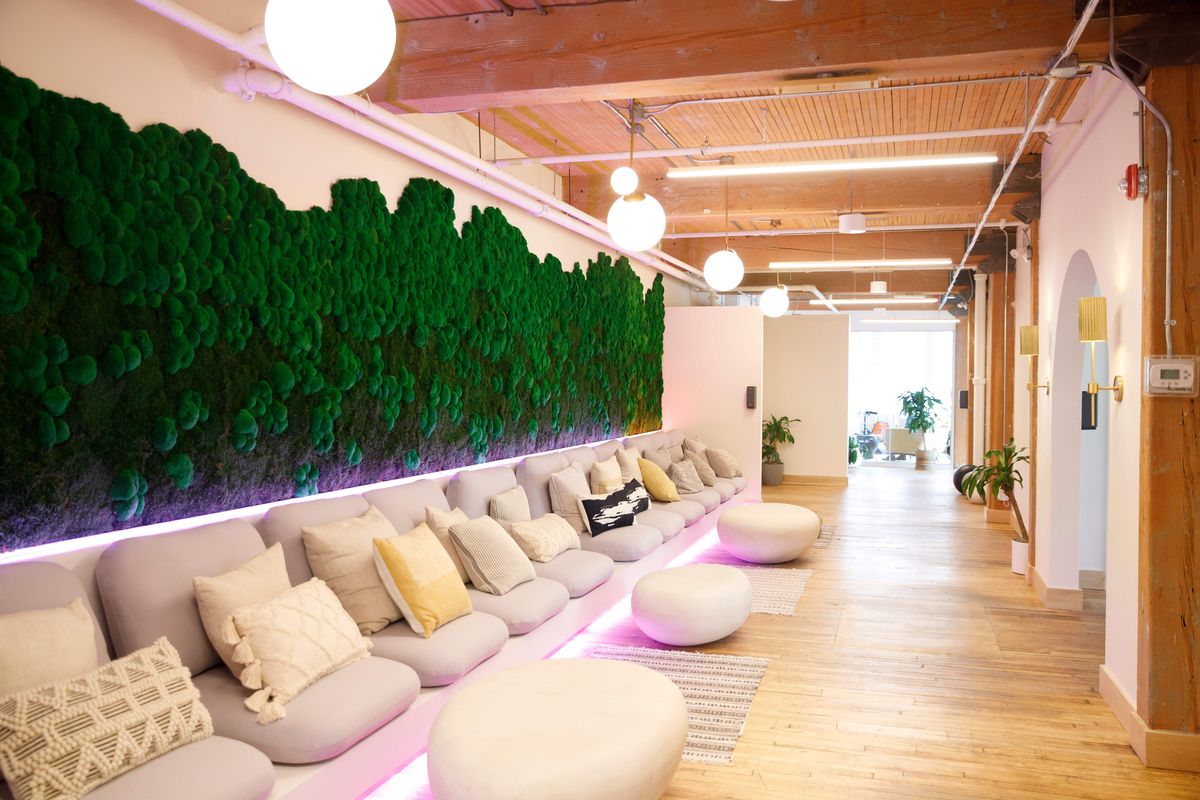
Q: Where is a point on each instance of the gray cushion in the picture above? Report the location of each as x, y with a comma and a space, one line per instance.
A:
404, 505
471, 489
322, 721
690, 510
534, 474
724, 487
658, 456
209, 768
145, 585
739, 482
283, 524
579, 571
709, 498
668, 523
624, 544
452, 651
606, 449
37, 585
524, 607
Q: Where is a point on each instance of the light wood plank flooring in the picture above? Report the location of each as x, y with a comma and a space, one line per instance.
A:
918, 666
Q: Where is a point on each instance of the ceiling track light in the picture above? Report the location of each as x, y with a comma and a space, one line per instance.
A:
895, 300
836, 165
862, 263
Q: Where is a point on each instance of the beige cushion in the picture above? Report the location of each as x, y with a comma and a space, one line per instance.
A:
577, 570
676, 453
566, 486
544, 538
627, 458
46, 645
606, 476
291, 641
510, 506
685, 477
493, 560
342, 554
65, 738
657, 483
700, 461
525, 607
439, 521
724, 464
421, 579
454, 649
261, 578
696, 446
658, 456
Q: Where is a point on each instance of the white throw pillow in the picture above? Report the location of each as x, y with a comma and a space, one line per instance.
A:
494, 561
566, 486
290, 642
628, 459
46, 645
544, 538
606, 476
439, 522
510, 506
342, 554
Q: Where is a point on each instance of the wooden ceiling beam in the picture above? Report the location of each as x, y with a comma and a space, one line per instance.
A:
672, 47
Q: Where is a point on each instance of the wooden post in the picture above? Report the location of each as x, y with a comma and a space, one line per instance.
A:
1001, 355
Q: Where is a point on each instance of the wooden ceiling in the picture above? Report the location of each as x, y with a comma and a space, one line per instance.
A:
554, 78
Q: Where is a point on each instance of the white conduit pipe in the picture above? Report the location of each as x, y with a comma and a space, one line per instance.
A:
944, 226
1030, 124
361, 116
770, 147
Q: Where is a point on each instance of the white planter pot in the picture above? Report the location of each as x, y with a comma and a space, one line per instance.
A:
1020, 556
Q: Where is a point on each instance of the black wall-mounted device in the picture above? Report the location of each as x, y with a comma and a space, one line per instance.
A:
751, 397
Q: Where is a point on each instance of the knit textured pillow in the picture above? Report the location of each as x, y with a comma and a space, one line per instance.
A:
290, 642
493, 560
509, 506
724, 464
63, 739
544, 538
703, 468
685, 477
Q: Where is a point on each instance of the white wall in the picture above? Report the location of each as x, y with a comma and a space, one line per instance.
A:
151, 70
806, 374
1082, 210
710, 356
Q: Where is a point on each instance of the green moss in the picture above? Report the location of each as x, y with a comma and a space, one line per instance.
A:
128, 494
164, 434
180, 470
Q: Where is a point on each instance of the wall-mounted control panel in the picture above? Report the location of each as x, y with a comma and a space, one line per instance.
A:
1173, 376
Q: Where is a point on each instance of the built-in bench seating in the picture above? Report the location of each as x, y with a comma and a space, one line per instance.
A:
145, 585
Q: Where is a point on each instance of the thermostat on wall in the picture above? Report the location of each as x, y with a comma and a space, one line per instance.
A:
1173, 376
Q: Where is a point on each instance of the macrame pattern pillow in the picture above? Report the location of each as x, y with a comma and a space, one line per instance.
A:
289, 643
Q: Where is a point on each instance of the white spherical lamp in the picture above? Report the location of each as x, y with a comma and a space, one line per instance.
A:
774, 302
331, 47
624, 181
636, 222
724, 270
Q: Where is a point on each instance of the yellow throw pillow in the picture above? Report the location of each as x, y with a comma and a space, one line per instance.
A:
657, 483
422, 580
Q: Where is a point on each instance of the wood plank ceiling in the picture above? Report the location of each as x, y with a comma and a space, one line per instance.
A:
850, 103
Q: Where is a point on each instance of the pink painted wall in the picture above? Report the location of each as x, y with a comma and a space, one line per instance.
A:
710, 356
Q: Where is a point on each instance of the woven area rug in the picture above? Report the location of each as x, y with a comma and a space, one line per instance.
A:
774, 590
825, 538
718, 690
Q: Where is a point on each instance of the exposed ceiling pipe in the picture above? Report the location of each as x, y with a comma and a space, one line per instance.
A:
947, 226
1030, 125
354, 112
712, 150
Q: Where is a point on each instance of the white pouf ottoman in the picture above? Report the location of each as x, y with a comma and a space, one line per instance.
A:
580, 728
691, 605
768, 533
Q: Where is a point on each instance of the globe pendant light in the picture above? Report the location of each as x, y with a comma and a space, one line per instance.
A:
331, 47
774, 302
723, 270
636, 221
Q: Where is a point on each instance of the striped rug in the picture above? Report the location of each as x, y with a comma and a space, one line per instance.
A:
825, 538
775, 590
718, 689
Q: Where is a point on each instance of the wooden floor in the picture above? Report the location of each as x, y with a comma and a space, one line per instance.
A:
918, 666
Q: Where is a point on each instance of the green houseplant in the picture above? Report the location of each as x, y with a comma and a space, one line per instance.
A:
853, 451
775, 431
920, 409
999, 476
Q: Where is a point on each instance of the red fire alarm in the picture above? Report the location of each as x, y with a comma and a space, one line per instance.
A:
1136, 182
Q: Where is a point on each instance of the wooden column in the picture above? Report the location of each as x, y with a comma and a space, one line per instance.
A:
1000, 361
1168, 692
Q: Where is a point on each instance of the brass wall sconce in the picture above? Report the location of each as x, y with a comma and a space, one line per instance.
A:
1029, 347
1093, 328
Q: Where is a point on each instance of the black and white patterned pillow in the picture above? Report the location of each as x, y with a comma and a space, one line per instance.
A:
614, 510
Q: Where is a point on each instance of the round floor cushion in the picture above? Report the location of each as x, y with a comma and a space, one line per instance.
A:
691, 605
768, 533
580, 728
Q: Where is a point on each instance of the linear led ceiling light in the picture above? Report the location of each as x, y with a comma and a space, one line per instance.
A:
836, 165
862, 263
907, 322
902, 300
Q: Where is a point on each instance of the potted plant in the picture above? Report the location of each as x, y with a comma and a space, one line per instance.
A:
919, 409
853, 451
999, 477
775, 431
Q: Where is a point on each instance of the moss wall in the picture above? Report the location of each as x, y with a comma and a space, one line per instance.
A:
174, 341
